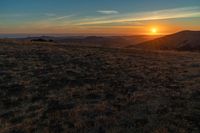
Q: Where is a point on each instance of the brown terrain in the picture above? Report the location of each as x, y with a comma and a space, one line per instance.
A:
181, 41
48, 87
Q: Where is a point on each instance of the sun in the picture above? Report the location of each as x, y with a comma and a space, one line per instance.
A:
154, 30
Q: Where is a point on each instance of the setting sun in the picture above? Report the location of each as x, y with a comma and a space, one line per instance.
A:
154, 30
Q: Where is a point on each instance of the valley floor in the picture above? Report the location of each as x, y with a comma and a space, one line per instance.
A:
65, 88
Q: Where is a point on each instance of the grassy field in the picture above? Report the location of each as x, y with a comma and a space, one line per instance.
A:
54, 88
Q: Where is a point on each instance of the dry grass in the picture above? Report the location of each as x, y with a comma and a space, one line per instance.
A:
64, 88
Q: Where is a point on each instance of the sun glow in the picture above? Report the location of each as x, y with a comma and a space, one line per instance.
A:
154, 30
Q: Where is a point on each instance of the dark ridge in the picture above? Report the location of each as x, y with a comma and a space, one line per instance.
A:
183, 40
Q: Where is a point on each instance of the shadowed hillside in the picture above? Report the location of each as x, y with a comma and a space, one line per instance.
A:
58, 88
184, 40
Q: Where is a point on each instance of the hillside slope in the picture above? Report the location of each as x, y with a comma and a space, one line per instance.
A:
66, 88
184, 40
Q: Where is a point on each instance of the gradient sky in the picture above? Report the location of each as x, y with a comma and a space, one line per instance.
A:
98, 16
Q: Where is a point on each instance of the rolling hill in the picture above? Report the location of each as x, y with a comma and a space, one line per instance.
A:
96, 41
184, 41
55, 88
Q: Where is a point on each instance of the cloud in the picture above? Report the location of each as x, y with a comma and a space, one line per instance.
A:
63, 17
185, 12
108, 12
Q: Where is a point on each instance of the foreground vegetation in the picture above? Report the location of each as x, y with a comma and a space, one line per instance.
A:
64, 88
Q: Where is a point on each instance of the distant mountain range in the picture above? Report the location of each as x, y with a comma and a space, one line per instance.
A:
181, 41
99, 41
184, 40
